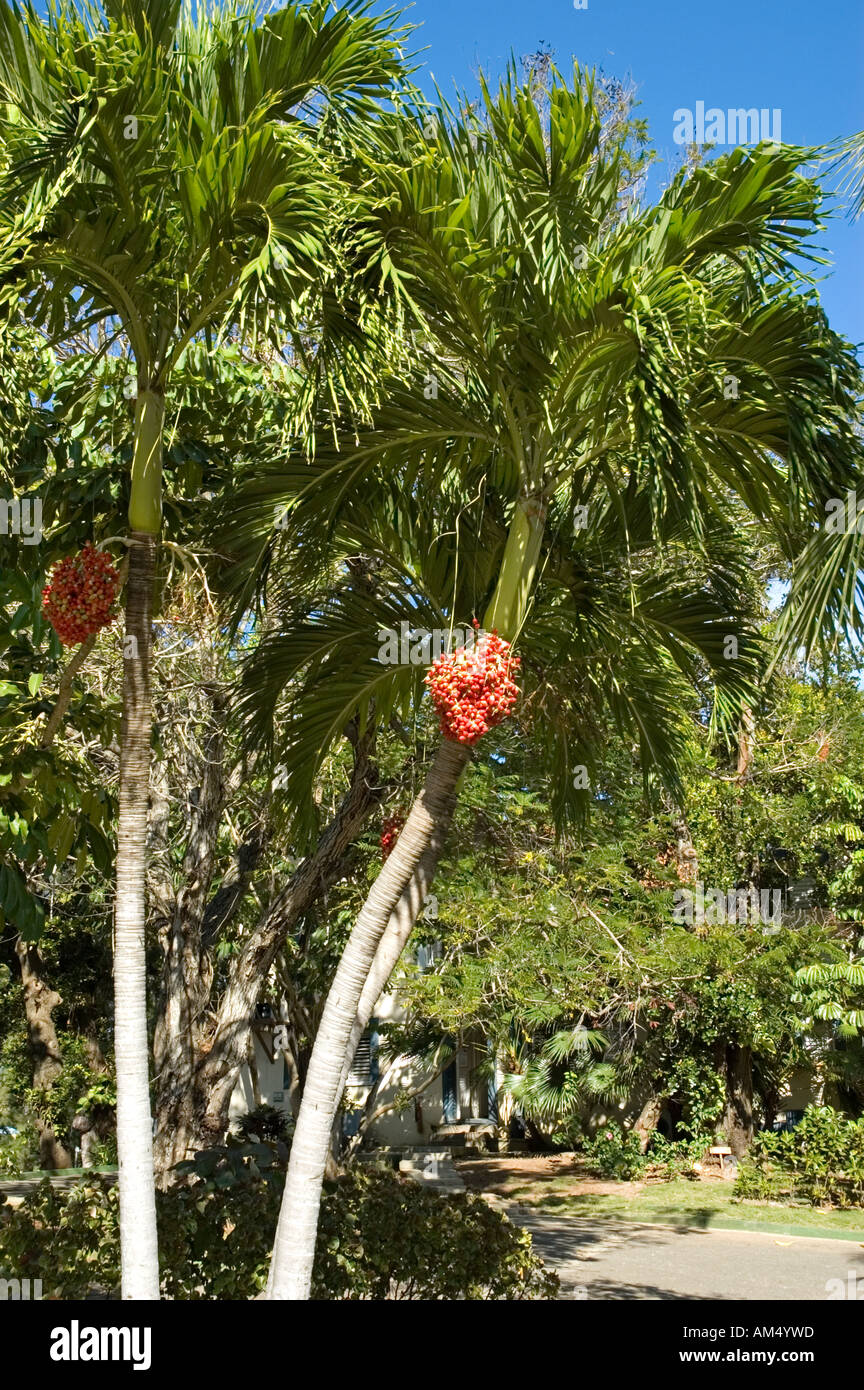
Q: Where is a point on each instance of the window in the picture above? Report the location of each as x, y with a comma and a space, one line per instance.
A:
364, 1068
426, 956
449, 1094
361, 1068
788, 1119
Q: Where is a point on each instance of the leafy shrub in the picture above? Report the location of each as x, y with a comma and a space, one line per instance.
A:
19, 1152
614, 1152
380, 1236
821, 1161
262, 1123
674, 1158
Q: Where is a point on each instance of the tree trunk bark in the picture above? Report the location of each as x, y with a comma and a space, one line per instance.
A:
186, 979
397, 932
40, 1001
738, 1121
187, 970
138, 1241
220, 1067
649, 1116
294, 1249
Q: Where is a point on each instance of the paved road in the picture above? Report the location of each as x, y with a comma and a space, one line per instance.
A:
612, 1259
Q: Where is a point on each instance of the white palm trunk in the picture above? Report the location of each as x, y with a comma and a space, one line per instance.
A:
294, 1248
395, 938
138, 1242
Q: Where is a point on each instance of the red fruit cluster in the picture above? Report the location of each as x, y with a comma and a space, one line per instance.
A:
390, 829
80, 592
472, 689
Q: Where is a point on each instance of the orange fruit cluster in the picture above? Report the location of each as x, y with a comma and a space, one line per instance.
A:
390, 830
472, 688
79, 595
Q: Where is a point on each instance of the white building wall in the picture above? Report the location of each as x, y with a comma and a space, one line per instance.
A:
396, 1127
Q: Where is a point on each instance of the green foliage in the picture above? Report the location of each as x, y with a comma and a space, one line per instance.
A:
615, 1153
820, 1161
696, 1081
561, 1075
577, 356
674, 1158
380, 1236
19, 1152
540, 936
263, 1123
593, 383
101, 1094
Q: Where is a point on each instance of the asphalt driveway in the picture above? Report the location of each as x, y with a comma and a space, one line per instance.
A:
624, 1260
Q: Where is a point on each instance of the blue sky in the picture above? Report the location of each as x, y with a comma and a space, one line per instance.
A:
806, 58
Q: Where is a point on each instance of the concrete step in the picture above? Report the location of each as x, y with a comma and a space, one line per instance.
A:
437, 1173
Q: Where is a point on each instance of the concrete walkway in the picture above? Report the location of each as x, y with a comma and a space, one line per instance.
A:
623, 1260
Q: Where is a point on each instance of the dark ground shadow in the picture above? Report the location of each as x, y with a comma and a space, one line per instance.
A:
614, 1290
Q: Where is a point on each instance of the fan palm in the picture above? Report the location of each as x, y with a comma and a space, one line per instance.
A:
163, 178
657, 369
556, 1078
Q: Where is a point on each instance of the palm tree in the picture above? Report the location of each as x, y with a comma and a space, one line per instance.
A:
555, 1080
164, 180
673, 365
826, 600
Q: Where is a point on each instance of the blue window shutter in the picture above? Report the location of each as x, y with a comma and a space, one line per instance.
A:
448, 1091
492, 1089
374, 1068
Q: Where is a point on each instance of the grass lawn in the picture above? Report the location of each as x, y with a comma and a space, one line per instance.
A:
561, 1186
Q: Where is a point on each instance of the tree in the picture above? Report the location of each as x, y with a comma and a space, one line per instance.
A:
163, 181
540, 944
570, 366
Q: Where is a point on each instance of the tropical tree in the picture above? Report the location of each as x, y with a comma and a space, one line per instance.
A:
665, 369
163, 179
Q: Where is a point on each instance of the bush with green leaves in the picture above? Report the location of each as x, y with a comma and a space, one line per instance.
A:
381, 1236
615, 1153
820, 1162
263, 1123
19, 1150
675, 1158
